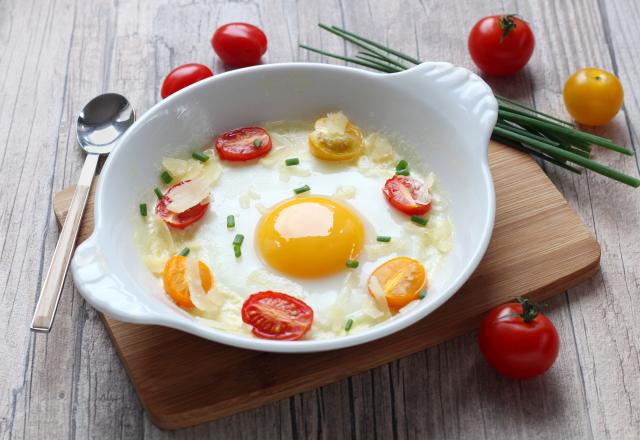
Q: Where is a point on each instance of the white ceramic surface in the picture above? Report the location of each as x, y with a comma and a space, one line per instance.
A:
447, 113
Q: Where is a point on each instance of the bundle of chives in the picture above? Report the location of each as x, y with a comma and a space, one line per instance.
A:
521, 127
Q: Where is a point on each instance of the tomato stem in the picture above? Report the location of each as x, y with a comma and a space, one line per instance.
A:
529, 309
506, 23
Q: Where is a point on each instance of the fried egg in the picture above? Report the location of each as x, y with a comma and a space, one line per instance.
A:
299, 243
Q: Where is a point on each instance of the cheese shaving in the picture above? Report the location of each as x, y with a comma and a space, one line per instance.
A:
345, 192
188, 195
378, 292
333, 124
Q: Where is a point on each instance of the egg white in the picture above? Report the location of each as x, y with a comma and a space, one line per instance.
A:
248, 190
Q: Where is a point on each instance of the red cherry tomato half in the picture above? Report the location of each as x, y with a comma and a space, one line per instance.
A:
239, 44
407, 195
515, 347
183, 219
501, 44
243, 144
183, 76
276, 315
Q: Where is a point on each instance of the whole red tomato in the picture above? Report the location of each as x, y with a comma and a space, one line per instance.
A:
239, 44
519, 341
501, 44
183, 76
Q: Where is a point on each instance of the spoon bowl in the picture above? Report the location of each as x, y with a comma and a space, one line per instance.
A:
103, 121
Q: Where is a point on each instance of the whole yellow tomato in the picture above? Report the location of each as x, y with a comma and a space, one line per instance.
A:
593, 96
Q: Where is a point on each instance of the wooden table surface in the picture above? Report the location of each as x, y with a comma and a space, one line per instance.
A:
56, 55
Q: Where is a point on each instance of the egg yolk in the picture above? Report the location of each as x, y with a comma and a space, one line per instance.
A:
309, 237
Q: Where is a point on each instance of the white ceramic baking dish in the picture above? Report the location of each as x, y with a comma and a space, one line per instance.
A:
447, 113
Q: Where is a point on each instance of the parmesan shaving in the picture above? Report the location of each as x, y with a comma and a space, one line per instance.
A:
208, 303
378, 292
188, 195
345, 192
378, 148
334, 124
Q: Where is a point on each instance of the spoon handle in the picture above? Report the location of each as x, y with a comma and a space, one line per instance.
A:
52, 287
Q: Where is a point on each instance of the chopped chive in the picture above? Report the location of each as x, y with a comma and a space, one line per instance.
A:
302, 189
200, 156
352, 264
292, 161
403, 172
184, 252
422, 294
348, 325
237, 252
403, 164
257, 143
158, 193
166, 177
143, 209
231, 222
383, 238
238, 239
419, 220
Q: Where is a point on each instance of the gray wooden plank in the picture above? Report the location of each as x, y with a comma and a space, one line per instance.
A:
71, 384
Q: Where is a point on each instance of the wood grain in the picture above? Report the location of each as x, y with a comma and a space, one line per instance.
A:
539, 247
70, 384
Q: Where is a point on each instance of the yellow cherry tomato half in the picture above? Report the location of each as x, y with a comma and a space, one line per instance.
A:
401, 279
175, 280
593, 96
332, 146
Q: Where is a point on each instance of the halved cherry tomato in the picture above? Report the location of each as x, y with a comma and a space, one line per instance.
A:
407, 195
276, 315
183, 219
401, 279
175, 282
519, 341
243, 144
344, 146
183, 76
239, 44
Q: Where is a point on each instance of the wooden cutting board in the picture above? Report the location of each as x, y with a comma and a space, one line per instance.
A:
539, 248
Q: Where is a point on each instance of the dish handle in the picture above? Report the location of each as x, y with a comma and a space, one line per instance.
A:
103, 290
475, 103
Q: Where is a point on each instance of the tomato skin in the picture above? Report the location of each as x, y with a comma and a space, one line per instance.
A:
276, 315
183, 219
402, 192
515, 348
495, 55
238, 144
593, 96
183, 76
239, 44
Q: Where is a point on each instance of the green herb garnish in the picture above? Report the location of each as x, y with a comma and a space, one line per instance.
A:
352, 264
200, 156
184, 252
237, 252
238, 239
292, 161
402, 168
143, 209
419, 220
231, 222
257, 143
302, 189
348, 325
158, 193
166, 177
422, 294
383, 238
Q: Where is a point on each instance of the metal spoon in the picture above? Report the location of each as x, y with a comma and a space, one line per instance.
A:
100, 125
